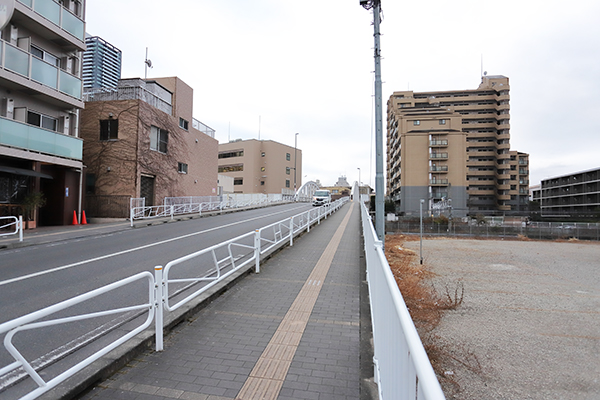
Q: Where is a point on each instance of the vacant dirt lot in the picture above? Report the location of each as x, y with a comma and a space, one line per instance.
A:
529, 325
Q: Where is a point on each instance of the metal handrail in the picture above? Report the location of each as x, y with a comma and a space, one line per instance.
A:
18, 224
27, 322
402, 369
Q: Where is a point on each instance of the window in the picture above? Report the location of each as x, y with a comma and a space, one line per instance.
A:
262, 169
42, 121
233, 153
182, 168
288, 156
262, 154
287, 170
238, 181
287, 183
158, 139
90, 183
442, 122
109, 129
44, 55
231, 168
262, 183
416, 122
183, 123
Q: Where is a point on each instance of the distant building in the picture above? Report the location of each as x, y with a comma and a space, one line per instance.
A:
101, 64
225, 184
40, 101
453, 148
141, 140
261, 166
342, 182
340, 189
574, 195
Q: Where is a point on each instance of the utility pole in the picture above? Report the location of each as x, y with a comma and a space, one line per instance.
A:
379, 203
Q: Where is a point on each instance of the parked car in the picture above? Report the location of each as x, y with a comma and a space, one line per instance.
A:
321, 197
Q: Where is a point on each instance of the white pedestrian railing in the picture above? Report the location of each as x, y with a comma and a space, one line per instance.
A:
214, 264
15, 222
402, 369
195, 205
211, 266
31, 321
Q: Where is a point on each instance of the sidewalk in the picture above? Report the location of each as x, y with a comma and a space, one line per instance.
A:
290, 332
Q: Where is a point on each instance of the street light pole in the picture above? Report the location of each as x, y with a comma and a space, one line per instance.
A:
295, 157
379, 205
421, 230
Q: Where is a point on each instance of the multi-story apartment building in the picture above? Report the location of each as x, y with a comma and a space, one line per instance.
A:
452, 149
40, 98
574, 195
101, 64
141, 140
261, 166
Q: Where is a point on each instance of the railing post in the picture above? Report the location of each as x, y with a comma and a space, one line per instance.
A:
20, 228
291, 231
257, 250
159, 304
308, 221
131, 216
172, 211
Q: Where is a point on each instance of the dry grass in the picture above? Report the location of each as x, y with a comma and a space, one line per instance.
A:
426, 306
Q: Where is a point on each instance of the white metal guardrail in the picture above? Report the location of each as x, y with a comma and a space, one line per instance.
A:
184, 205
402, 369
17, 223
28, 322
223, 260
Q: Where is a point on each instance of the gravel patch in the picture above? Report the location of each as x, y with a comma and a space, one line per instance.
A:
529, 326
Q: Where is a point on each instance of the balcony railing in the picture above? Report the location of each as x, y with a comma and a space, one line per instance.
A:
58, 15
438, 142
25, 64
28, 137
439, 168
129, 93
439, 182
438, 155
207, 130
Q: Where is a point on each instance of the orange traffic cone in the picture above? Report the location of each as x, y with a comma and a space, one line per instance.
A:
75, 218
83, 220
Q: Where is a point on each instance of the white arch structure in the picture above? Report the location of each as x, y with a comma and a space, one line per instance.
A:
306, 191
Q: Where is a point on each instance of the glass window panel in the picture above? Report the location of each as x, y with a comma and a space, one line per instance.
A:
34, 118
72, 24
44, 73
48, 123
48, 9
153, 138
70, 85
17, 60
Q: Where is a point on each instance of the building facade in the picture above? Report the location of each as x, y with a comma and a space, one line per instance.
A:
40, 100
452, 149
261, 166
101, 64
141, 141
573, 196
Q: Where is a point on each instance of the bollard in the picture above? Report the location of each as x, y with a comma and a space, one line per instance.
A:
20, 226
257, 250
291, 231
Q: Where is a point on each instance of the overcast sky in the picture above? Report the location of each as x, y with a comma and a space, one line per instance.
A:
284, 66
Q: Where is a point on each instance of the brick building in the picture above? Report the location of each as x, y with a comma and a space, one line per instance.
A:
141, 140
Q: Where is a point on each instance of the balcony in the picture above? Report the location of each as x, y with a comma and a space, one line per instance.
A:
438, 143
58, 15
32, 138
207, 130
32, 68
438, 156
438, 168
438, 182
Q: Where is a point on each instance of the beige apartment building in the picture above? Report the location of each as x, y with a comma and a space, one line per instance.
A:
452, 149
261, 166
40, 98
141, 140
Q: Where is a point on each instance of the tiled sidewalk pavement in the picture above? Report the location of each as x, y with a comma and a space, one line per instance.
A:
211, 357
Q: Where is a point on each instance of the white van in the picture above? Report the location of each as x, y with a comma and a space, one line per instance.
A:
321, 197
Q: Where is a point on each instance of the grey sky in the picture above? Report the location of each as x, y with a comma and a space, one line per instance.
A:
308, 68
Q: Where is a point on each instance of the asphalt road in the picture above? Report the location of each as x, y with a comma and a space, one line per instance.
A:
38, 276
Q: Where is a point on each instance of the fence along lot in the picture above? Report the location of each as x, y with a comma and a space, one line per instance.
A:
532, 230
530, 317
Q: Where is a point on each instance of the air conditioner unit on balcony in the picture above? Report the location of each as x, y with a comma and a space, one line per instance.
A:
8, 108
64, 125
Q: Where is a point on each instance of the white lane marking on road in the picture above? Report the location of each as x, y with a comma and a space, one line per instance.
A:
56, 269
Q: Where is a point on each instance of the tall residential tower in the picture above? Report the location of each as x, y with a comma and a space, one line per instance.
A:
452, 149
101, 64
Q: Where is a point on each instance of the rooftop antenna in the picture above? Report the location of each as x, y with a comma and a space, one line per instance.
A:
148, 63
